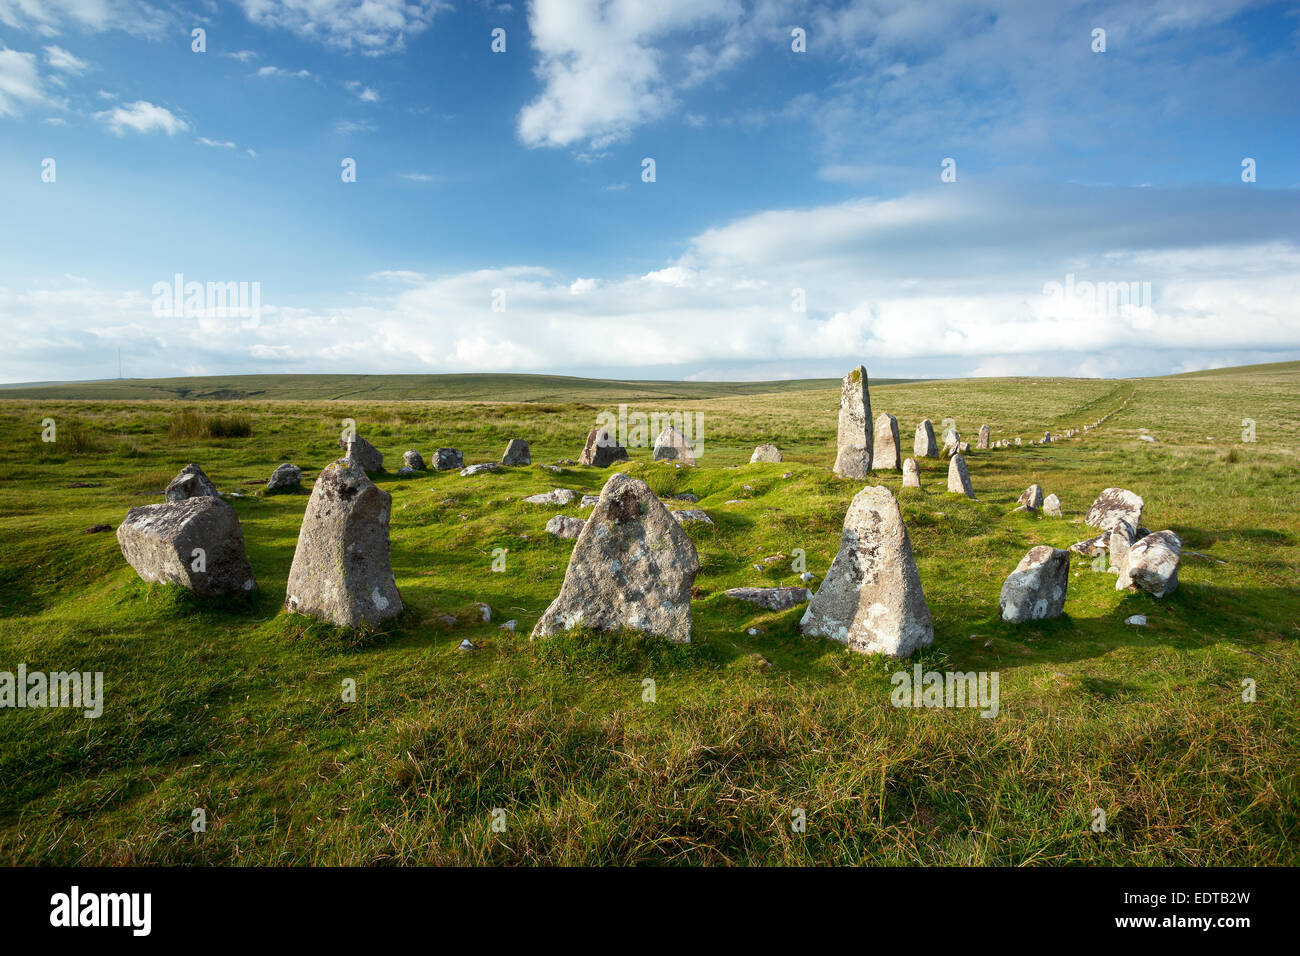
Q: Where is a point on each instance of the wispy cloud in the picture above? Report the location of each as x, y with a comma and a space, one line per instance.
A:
60, 59
142, 117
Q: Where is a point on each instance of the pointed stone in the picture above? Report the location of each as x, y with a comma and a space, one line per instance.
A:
854, 441
1031, 499
765, 452
190, 482
911, 474
363, 453
517, 453
983, 441
632, 567
1035, 590
871, 598
885, 453
959, 477
924, 445
601, 449
672, 445
196, 542
1052, 506
342, 570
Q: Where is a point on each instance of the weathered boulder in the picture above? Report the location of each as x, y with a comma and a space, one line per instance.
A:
560, 496
363, 453
632, 567
195, 542
774, 599
1052, 506
853, 453
691, 515
1092, 546
885, 452
983, 441
190, 482
588, 501
562, 526
950, 436
1036, 588
448, 459
1112, 505
1031, 499
480, 469
765, 452
517, 453
286, 477
959, 477
342, 570
413, 460
1118, 544
1152, 564
871, 598
924, 445
601, 449
911, 474
672, 445
686, 496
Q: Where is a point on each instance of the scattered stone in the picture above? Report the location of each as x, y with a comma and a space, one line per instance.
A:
195, 542
190, 482
788, 474
959, 477
517, 453
950, 436
807, 576
479, 469
484, 612
924, 445
1052, 506
560, 496
885, 453
342, 569
983, 441
562, 526
98, 529
1146, 438
601, 450
686, 496
555, 468
688, 515
413, 460
448, 459
765, 452
1031, 499
509, 625
466, 645
1140, 620
774, 599
566, 462
672, 445
449, 620
286, 477
1121, 540
1152, 564
853, 453
84, 484
633, 567
1112, 505
1036, 588
588, 501
911, 474
1092, 546
363, 453
871, 598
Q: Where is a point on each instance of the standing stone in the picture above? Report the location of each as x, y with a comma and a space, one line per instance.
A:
413, 460
448, 459
950, 436
286, 477
672, 445
1121, 539
886, 453
871, 598
924, 445
1031, 499
195, 542
632, 567
959, 477
342, 570
1152, 564
1036, 588
911, 474
854, 445
363, 453
190, 482
517, 453
1052, 506
1112, 505
601, 450
983, 441
765, 452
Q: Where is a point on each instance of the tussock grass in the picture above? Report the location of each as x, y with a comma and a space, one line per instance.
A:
194, 424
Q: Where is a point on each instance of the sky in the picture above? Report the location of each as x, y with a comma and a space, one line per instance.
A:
683, 189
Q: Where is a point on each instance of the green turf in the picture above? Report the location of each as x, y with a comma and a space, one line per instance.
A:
236, 708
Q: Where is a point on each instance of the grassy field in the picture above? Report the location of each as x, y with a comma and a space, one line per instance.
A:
236, 707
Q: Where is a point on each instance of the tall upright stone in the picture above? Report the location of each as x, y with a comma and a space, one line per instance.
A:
672, 445
871, 598
632, 567
885, 453
911, 474
983, 440
959, 476
924, 445
1036, 589
601, 449
342, 569
853, 452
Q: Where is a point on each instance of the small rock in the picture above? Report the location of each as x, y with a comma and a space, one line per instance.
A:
560, 496
484, 612
766, 452
1139, 620
286, 477
774, 599
466, 645
479, 469
448, 459
413, 460
562, 526
509, 625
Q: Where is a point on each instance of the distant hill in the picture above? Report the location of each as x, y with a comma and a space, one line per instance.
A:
490, 386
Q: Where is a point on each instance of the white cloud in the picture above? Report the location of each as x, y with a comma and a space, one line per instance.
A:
277, 71
142, 117
362, 92
219, 143
20, 82
243, 56
348, 127
373, 27
54, 121
52, 17
60, 59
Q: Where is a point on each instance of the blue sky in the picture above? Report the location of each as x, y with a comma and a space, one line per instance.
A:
515, 178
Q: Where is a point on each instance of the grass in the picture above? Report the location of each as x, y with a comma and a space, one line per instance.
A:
237, 708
